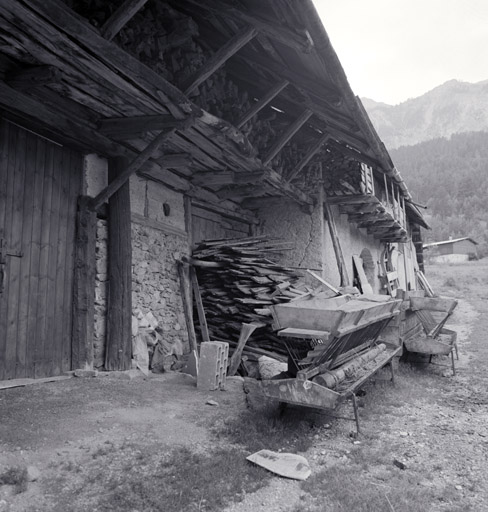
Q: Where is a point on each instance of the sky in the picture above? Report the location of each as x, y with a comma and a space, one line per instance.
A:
393, 50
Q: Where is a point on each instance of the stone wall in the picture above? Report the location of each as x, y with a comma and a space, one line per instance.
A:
158, 239
289, 222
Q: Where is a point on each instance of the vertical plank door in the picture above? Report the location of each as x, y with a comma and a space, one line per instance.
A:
39, 185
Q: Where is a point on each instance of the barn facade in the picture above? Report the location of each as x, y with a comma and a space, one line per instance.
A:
130, 131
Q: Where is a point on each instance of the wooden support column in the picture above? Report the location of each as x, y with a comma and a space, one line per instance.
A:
287, 135
341, 264
219, 58
119, 308
84, 286
121, 17
308, 156
323, 258
259, 105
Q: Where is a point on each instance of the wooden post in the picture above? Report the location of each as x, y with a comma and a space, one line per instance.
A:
335, 242
84, 286
320, 184
119, 301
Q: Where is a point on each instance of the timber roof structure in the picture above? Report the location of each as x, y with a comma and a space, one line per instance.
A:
228, 101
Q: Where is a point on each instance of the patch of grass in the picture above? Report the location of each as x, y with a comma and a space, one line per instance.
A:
450, 282
269, 429
142, 478
15, 476
353, 487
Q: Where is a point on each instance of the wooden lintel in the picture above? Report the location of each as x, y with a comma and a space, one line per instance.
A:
121, 17
226, 178
260, 104
287, 135
299, 40
352, 199
123, 127
238, 215
134, 166
315, 148
27, 78
219, 58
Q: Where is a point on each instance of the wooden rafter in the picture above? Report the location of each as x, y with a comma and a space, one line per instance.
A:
287, 135
121, 17
299, 39
27, 78
131, 127
226, 178
219, 58
260, 104
314, 149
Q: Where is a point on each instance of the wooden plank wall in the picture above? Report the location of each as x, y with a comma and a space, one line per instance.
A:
207, 225
39, 185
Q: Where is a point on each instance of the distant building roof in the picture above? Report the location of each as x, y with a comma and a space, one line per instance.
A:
434, 244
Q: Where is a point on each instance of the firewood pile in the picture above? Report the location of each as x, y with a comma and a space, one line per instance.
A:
238, 283
343, 175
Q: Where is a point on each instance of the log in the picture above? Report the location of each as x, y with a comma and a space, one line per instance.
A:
332, 378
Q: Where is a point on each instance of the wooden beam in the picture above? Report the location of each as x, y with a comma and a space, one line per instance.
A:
354, 154
219, 58
299, 40
27, 78
133, 127
352, 199
119, 300
240, 215
287, 135
202, 319
84, 286
260, 104
226, 178
239, 192
121, 17
314, 149
134, 166
174, 160
49, 22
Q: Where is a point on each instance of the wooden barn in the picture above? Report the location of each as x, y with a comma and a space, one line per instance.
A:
454, 250
132, 130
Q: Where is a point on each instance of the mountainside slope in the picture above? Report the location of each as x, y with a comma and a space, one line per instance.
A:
453, 107
450, 176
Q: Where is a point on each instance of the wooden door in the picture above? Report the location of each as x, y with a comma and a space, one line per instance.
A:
39, 185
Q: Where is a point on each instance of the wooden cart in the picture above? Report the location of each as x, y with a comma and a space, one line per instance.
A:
343, 327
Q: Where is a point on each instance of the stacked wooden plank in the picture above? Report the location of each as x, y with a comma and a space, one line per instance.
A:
242, 288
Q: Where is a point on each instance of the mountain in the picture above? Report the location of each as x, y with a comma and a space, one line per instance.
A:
453, 107
450, 177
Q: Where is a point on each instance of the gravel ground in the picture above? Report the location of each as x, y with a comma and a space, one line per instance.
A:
434, 424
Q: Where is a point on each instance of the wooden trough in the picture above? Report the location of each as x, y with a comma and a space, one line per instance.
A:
345, 327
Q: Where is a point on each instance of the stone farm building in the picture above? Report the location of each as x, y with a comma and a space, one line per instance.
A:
131, 130
454, 250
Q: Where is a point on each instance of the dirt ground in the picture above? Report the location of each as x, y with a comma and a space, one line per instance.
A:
434, 424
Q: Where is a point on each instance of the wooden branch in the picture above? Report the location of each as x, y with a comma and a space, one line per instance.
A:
134, 166
121, 17
25, 79
287, 135
219, 58
259, 105
133, 127
298, 40
308, 156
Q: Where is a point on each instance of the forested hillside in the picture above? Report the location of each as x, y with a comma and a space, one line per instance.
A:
450, 176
